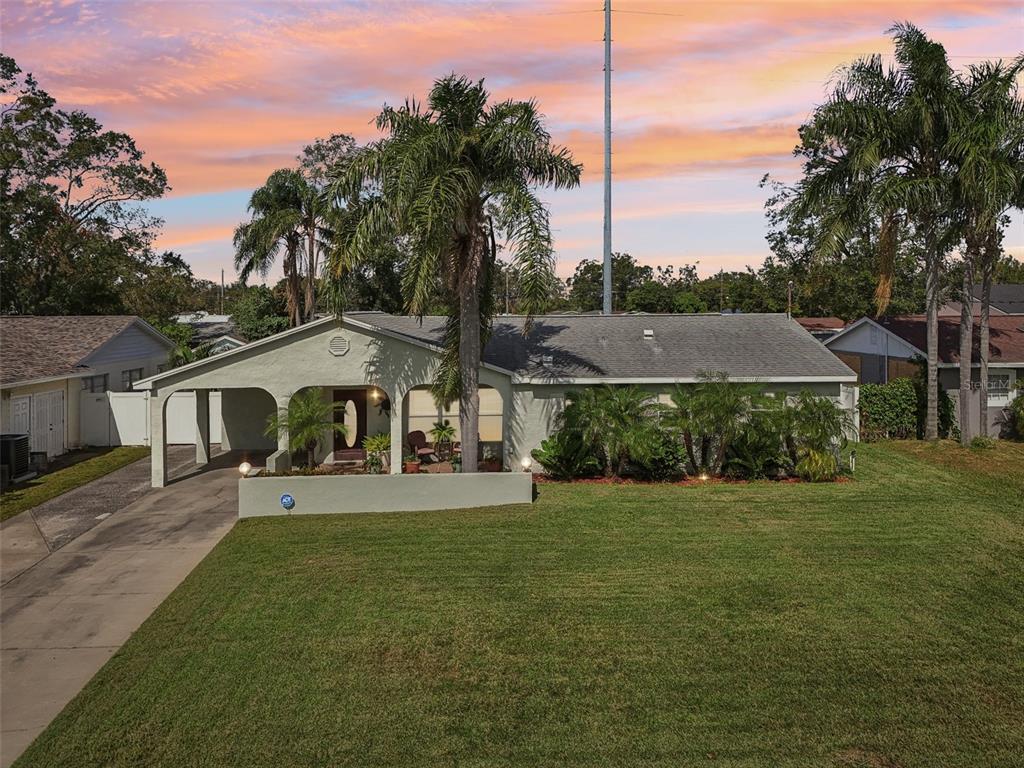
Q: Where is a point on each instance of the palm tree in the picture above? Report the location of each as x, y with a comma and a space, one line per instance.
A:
622, 422
882, 149
309, 419
710, 415
276, 222
988, 147
454, 179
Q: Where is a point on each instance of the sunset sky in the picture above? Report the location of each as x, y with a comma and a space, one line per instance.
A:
707, 96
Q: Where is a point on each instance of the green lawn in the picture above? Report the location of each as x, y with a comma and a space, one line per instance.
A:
46, 487
873, 623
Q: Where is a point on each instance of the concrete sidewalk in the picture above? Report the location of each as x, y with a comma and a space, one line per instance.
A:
64, 616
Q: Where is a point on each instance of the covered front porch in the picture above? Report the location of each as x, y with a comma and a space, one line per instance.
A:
364, 410
379, 383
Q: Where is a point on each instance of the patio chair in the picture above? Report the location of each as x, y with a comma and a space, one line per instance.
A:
418, 444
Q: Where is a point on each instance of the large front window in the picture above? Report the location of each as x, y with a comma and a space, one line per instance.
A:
424, 412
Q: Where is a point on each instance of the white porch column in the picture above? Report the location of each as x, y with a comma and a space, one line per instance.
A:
281, 459
202, 426
158, 440
397, 437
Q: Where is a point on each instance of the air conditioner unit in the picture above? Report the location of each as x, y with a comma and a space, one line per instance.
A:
14, 453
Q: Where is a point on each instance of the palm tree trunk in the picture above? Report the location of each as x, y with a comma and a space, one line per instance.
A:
688, 442
292, 289
966, 337
931, 428
988, 265
470, 355
311, 274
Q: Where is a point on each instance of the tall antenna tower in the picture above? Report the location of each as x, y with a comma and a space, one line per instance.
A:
607, 157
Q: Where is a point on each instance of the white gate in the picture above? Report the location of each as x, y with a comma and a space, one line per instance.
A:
122, 418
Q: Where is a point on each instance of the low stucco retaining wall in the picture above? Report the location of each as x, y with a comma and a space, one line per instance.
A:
340, 494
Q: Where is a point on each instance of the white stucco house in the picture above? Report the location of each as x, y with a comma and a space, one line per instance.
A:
51, 366
381, 366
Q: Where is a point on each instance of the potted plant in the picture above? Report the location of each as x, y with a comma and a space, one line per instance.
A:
378, 452
443, 434
489, 461
410, 464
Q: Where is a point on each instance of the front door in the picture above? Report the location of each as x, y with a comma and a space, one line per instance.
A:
351, 412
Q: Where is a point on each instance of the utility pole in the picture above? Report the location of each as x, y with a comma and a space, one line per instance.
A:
607, 157
222, 291
789, 299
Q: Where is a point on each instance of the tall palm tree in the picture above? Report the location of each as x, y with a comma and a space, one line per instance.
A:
882, 149
454, 179
988, 148
275, 224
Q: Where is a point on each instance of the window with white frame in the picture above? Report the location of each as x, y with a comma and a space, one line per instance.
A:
999, 385
129, 377
95, 383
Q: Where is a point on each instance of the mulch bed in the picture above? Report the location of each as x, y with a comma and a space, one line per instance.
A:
690, 481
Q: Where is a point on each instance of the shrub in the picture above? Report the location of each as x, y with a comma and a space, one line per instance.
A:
664, 460
377, 447
982, 443
888, 410
1016, 417
565, 456
817, 466
759, 452
709, 416
618, 424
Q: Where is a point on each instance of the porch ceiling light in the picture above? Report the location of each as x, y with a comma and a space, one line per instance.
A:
244, 468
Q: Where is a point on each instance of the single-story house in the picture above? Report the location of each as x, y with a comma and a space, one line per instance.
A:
215, 332
821, 328
1004, 299
380, 366
884, 349
46, 363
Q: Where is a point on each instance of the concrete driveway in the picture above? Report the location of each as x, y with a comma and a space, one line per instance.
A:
62, 617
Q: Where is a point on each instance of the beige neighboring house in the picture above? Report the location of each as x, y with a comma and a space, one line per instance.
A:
46, 363
378, 368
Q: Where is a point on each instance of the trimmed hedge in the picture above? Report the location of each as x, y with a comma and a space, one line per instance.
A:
888, 410
897, 410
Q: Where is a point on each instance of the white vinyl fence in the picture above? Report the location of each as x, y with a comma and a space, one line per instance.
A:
122, 418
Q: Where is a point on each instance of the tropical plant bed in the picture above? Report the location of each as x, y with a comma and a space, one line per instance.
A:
686, 482
875, 623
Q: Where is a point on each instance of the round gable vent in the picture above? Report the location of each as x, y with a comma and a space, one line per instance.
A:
339, 346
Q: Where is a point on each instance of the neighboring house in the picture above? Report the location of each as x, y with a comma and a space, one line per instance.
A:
381, 366
46, 363
821, 328
884, 349
1004, 299
217, 332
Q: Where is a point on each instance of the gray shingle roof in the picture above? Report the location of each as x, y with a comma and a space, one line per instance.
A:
1006, 297
47, 347
758, 346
